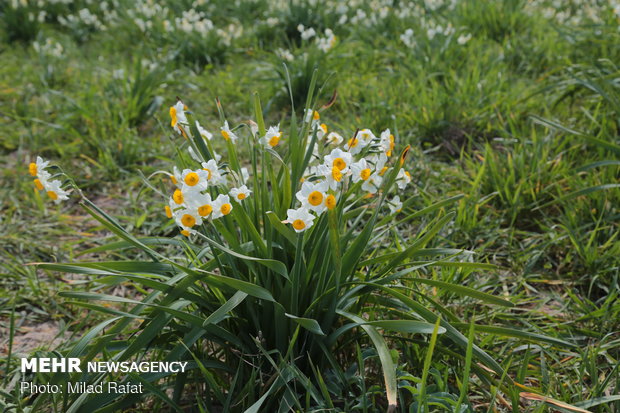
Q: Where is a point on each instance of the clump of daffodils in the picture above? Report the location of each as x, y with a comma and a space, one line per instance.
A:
325, 44
212, 190
192, 200
44, 181
359, 162
202, 193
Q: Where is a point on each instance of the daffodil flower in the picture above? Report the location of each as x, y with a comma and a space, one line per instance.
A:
272, 137
359, 141
360, 170
177, 116
227, 133
214, 174
186, 219
464, 38
333, 138
38, 168
378, 160
372, 184
312, 196
175, 177
245, 175
387, 142
241, 193
330, 202
194, 180
312, 116
333, 176
339, 159
366, 136
221, 206
402, 179
201, 203
203, 132
54, 191
178, 197
321, 131
169, 209
301, 219
395, 205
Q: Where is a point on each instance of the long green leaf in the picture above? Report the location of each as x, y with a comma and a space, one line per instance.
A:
513, 332
245, 286
274, 265
581, 192
308, 323
389, 369
462, 290
586, 404
427, 366
287, 232
228, 306
406, 326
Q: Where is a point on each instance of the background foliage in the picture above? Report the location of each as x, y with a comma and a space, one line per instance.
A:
521, 121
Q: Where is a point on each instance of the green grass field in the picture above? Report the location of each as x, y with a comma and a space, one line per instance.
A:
512, 111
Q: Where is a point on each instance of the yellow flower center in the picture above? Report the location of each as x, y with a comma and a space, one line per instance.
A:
185, 232
299, 224
324, 127
205, 210
274, 140
225, 134
339, 163
178, 197
365, 174
316, 115
173, 179
188, 220
336, 174
385, 168
353, 142
168, 211
241, 196
408, 174
38, 184
191, 178
32, 168
52, 195
208, 172
173, 116
330, 202
225, 209
315, 198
